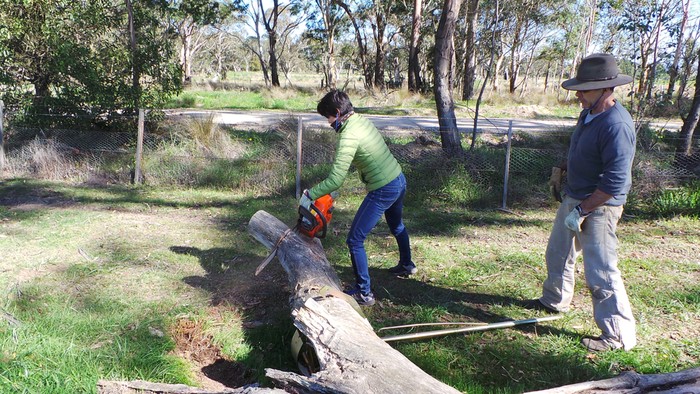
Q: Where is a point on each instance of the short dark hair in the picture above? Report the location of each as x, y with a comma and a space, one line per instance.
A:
333, 102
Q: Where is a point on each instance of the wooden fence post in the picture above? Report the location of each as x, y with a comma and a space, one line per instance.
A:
2, 137
139, 149
506, 171
300, 128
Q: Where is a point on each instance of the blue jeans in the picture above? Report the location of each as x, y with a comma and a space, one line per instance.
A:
387, 200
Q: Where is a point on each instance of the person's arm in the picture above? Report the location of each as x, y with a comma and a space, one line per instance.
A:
347, 146
593, 201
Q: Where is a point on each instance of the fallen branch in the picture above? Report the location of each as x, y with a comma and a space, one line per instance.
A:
682, 382
11, 320
142, 387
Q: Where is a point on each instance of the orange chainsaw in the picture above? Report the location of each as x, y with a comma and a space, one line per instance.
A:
312, 222
316, 218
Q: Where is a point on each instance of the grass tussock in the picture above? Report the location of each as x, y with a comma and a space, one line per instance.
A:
47, 159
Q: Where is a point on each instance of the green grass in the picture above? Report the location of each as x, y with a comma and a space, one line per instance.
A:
105, 276
119, 282
247, 91
244, 100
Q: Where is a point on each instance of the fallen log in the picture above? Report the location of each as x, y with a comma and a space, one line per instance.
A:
349, 356
682, 382
143, 387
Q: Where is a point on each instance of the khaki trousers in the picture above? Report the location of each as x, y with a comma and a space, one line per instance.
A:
598, 244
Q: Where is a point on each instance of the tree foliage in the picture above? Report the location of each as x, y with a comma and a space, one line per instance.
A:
77, 57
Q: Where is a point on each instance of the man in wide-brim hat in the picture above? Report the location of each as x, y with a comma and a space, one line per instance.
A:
599, 176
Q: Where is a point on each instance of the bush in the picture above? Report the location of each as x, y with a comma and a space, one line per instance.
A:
684, 200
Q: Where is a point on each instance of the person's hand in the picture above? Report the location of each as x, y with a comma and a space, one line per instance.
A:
555, 183
305, 201
574, 219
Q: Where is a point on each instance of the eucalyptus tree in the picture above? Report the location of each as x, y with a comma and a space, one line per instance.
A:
187, 17
469, 73
646, 22
384, 29
325, 22
255, 41
415, 82
679, 32
445, 77
280, 20
691, 121
688, 56
526, 24
356, 18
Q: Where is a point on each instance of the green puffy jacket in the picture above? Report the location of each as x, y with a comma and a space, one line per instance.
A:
361, 145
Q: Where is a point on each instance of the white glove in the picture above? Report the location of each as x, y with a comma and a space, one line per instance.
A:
305, 201
574, 219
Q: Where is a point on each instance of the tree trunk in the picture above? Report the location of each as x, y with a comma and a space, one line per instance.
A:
141, 387
351, 357
673, 70
271, 29
379, 28
274, 74
444, 78
687, 381
361, 46
690, 123
414, 79
470, 53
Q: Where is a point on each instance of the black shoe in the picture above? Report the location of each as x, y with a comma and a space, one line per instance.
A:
596, 344
403, 270
361, 299
537, 305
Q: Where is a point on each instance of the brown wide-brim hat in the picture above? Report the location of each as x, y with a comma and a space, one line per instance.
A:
597, 71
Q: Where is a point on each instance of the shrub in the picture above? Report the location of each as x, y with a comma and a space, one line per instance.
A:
684, 200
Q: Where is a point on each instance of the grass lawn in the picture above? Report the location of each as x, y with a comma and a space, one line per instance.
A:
157, 284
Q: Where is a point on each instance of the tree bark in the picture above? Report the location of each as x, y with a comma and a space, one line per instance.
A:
379, 24
690, 123
673, 69
271, 29
351, 357
141, 387
414, 79
687, 381
361, 46
444, 78
470, 53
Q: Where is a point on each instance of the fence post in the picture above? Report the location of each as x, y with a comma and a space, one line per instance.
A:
139, 149
507, 169
2, 138
300, 127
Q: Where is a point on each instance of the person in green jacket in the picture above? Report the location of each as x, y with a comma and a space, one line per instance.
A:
361, 145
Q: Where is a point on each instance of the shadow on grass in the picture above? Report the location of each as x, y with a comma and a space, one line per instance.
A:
524, 361
260, 300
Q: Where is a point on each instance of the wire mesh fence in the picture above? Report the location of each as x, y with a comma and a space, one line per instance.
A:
174, 153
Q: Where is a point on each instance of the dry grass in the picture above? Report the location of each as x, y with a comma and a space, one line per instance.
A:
47, 159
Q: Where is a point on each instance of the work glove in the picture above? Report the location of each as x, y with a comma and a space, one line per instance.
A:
305, 201
555, 183
575, 218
